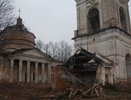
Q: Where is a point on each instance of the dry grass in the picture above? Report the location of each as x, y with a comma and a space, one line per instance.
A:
19, 91
119, 91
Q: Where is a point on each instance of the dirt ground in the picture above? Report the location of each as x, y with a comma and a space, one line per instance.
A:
19, 91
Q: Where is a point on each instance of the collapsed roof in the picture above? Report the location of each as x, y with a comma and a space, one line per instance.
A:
83, 60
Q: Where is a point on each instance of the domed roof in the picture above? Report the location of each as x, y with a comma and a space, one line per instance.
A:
17, 37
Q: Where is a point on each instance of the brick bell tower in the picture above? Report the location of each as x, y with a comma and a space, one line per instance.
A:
103, 27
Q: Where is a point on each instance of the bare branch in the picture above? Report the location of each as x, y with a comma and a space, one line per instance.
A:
59, 50
6, 13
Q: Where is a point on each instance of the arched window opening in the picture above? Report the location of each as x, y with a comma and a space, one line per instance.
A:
123, 19
128, 66
93, 20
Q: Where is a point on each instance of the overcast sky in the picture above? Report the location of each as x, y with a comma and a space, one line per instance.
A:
49, 20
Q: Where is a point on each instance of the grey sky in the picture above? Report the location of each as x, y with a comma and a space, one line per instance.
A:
49, 20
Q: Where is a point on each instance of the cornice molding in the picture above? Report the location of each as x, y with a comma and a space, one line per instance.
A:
88, 2
124, 1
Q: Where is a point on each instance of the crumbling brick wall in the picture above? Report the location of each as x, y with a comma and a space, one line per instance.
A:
59, 78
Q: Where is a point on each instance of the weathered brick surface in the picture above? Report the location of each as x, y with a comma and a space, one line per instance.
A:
58, 78
17, 37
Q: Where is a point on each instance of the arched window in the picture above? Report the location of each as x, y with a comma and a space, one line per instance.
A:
128, 66
122, 19
93, 20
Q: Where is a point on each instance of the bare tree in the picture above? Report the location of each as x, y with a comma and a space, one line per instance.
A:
6, 13
52, 49
64, 50
39, 44
59, 50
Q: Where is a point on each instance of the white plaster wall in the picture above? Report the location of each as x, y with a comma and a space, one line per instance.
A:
113, 44
109, 14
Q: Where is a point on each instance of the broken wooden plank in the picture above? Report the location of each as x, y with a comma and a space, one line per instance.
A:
74, 93
71, 93
77, 79
97, 93
84, 93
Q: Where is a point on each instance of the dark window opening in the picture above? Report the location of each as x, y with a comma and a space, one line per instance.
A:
39, 72
16, 70
123, 20
106, 78
93, 20
24, 71
33, 77
32, 72
25, 77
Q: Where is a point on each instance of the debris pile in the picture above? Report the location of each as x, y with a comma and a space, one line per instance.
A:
73, 87
79, 91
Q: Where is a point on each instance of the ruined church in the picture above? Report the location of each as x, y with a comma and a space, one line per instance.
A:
103, 29
102, 37
20, 61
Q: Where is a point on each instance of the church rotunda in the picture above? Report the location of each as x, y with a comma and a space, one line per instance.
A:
20, 60
17, 37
